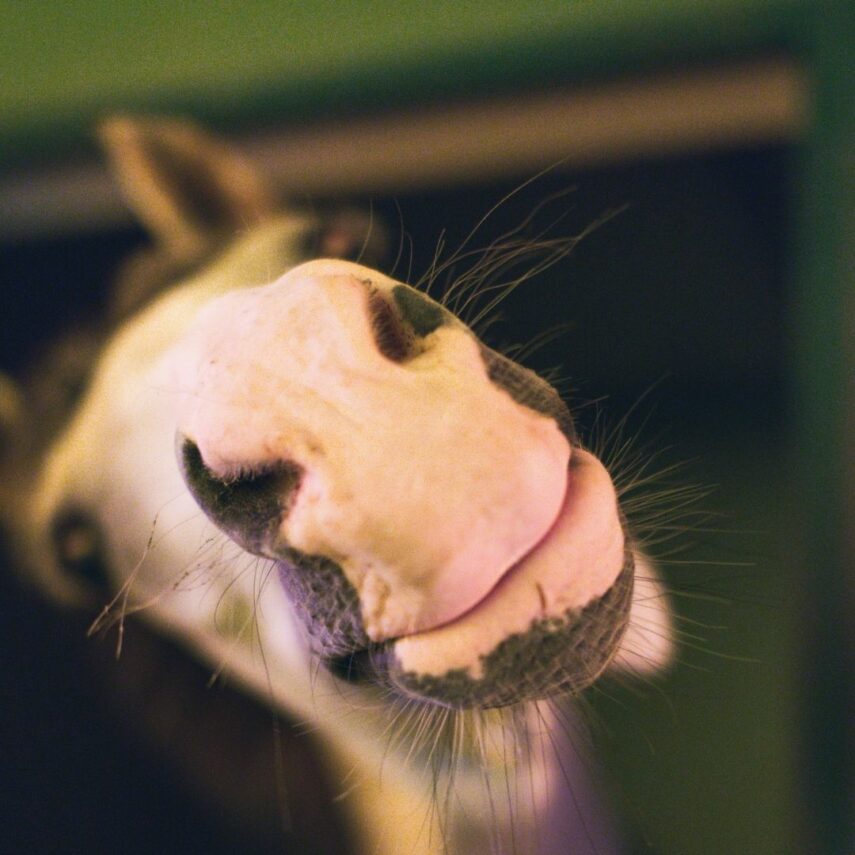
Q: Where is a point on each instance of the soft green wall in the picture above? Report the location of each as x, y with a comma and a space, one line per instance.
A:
62, 64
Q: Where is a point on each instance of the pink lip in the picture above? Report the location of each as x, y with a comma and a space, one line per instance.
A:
574, 563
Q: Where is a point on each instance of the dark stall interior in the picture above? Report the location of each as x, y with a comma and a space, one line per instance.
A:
694, 319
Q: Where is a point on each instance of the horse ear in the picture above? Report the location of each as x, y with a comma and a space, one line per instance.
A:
188, 188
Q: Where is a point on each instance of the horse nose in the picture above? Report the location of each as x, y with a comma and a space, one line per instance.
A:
337, 413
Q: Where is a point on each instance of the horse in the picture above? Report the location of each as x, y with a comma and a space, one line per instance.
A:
317, 481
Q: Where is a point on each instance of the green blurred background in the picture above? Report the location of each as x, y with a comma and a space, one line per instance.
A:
726, 286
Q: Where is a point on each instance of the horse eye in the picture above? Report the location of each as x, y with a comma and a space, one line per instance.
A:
79, 547
73, 387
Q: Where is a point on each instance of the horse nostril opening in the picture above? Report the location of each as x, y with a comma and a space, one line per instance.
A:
399, 323
393, 339
249, 508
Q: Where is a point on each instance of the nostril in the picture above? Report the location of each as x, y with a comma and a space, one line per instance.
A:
399, 323
393, 339
248, 507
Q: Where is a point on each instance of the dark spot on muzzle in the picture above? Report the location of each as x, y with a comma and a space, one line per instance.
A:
419, 311
528, 389
326, 603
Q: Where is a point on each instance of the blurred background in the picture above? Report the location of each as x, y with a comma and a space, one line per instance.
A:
712, 319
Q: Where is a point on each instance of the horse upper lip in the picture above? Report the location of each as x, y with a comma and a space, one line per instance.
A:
498, 582
575, 562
